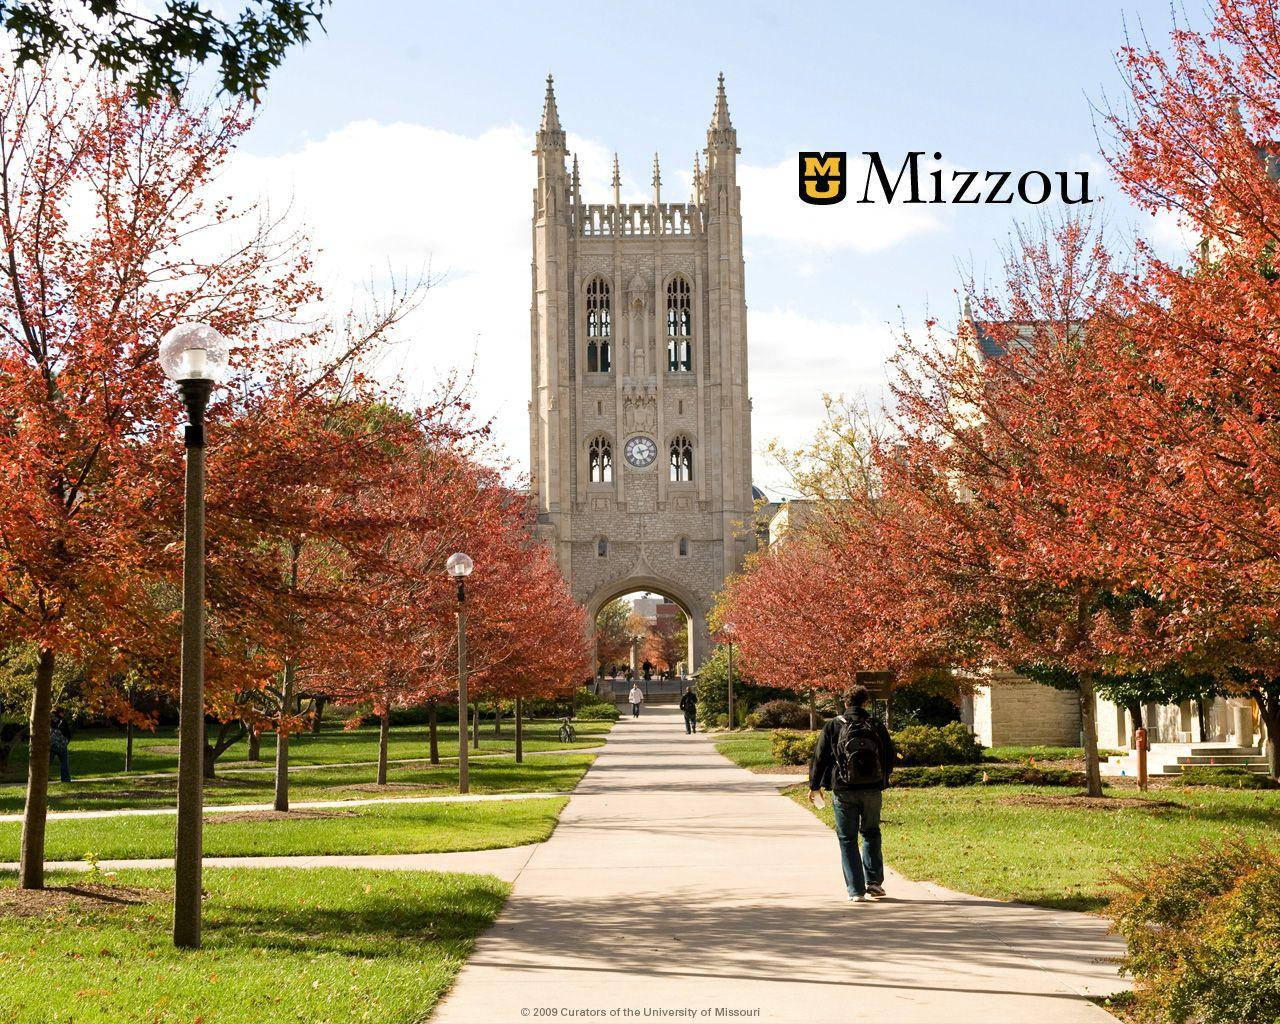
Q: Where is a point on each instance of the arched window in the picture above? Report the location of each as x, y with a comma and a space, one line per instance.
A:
684, 547
681, 459
602, 547
679, 326
599, 326
600, 460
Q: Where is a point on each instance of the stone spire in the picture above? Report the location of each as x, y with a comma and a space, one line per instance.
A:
617, 182
576, 183
550, 134
657, 182
722, 139
719, 117
697, 179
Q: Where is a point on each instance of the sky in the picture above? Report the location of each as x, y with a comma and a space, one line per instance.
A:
400, 139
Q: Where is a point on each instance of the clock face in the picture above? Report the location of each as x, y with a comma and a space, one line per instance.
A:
641, 451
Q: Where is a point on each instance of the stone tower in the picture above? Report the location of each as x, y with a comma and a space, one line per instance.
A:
640, 421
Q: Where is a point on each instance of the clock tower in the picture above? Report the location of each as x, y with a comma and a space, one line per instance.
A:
640, 421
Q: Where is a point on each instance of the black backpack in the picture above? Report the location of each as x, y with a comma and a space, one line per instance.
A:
857, 754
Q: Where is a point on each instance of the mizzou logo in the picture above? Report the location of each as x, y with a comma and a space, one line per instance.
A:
823, 177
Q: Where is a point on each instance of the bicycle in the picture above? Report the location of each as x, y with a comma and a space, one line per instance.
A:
567, 733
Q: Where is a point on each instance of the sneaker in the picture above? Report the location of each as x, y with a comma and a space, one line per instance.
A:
859, 898
875, 890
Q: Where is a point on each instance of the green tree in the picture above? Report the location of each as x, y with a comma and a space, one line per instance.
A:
151, 51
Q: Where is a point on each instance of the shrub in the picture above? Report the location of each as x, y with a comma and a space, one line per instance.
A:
780, 714
972, 775
1227, 776
713, 690
599, 711
1203, 935
933, 745
790, 747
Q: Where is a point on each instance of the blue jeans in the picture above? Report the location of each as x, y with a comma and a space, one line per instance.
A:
859, 811
63, 757
635, 710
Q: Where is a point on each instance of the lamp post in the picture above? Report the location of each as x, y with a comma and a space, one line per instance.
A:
194, 356
459, 566
726, 630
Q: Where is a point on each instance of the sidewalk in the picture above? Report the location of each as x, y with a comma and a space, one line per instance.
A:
677, 881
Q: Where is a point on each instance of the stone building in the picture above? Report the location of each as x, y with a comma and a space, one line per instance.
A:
640, 420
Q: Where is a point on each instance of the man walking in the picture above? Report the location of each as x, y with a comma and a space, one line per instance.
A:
853, 759
689, 705
636, 696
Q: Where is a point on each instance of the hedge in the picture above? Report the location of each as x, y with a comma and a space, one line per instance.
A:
978, 775
933, 745
1224, 775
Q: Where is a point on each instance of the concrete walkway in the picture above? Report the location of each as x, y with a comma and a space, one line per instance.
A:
678, 883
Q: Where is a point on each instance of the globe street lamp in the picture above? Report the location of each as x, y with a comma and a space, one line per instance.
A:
194, 356
726, 630
459, 566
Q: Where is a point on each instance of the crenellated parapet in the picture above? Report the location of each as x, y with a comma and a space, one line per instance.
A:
637, 220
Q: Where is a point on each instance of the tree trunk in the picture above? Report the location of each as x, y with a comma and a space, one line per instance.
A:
519, 730
282, 742
1202, 718
813, 712
255, 745
384, 726
475, 728
1089, 726
128, 747
433, 742
317, 710
497, 719
1134, 707
1269, 712
31, 863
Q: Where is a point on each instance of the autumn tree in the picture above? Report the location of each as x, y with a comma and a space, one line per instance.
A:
102, 207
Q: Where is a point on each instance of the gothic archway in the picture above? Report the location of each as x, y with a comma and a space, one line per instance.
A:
695, 614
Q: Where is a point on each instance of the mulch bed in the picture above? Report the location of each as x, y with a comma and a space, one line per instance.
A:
65, 898
227, 817
1091, 803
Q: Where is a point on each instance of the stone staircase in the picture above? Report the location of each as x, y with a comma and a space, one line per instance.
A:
1168, 759
658, 692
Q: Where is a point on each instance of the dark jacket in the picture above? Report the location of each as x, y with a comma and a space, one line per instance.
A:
822, 767
688, 703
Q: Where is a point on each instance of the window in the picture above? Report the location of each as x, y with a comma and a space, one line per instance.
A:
684, 547
600, 460
679, 326
681, 459
602, 547
599, 326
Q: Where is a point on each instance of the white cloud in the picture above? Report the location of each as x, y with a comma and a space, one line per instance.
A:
379, 197
794, 359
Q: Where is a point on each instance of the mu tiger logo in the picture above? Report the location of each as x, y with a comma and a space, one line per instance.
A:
823, 177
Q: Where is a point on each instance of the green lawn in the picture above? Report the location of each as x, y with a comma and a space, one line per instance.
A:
751, 751
101, 751
994, 841
557, 774
748, 749
389, 828
288, 946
